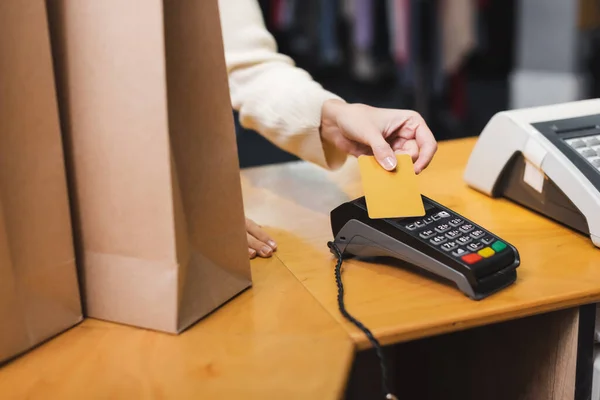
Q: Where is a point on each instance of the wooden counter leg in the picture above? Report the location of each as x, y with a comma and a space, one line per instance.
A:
543, 357
585, 352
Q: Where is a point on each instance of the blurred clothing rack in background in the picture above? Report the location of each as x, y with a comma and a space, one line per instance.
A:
451, 60
422, 45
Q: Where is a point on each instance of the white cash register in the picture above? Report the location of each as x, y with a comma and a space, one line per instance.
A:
545, 158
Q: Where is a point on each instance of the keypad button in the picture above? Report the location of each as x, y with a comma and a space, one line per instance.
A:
456, 222
438, 240
487, 240
428, 220
588, 153
477, 234
453, 234
463, 240
466, 228
592, 140
474, 246
576, 143
426, 234
498, 246
411, 227
419, 224
459, 252
596, 162
435, 217
449, 246
442, 228
471, 258
486, 252
443, 214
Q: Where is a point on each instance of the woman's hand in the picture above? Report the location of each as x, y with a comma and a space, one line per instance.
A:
358, 129
259, 242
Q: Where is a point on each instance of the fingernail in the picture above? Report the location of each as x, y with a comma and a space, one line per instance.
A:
389, 163
251, 252
265, 251
272, 244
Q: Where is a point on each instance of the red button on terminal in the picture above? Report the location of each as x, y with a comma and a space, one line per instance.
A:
471, 258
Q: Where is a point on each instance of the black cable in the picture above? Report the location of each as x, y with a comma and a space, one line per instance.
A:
366, 331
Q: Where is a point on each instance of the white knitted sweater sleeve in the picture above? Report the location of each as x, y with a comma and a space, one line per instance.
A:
273, 97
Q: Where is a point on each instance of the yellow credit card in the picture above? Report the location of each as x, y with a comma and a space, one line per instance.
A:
391, 194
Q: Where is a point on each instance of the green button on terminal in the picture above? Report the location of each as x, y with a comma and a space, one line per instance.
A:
498, 246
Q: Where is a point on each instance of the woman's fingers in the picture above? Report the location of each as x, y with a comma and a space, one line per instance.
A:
259, 242
256, 230
409, 147
382, 150
251, 253
427, 147
410, 126
260, 248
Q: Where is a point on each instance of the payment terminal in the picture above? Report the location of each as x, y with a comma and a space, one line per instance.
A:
545, 158
442, 242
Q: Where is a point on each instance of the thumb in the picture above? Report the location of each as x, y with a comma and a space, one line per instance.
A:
383, 152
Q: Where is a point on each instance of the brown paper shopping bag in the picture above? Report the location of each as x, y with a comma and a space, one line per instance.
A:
39, 293
152, 151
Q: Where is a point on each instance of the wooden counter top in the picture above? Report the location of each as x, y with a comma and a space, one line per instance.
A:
559, 268
271, 341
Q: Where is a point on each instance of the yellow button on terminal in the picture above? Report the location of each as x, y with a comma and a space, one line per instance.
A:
486, 252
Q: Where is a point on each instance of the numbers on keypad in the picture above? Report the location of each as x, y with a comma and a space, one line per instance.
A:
477, 234
456, 222
464, 240
442, 228
426, 234
474, 246
453, 234
438, 240
449, 246
466, 228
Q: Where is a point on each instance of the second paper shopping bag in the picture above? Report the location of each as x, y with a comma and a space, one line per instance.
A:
152, 158
39, 290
